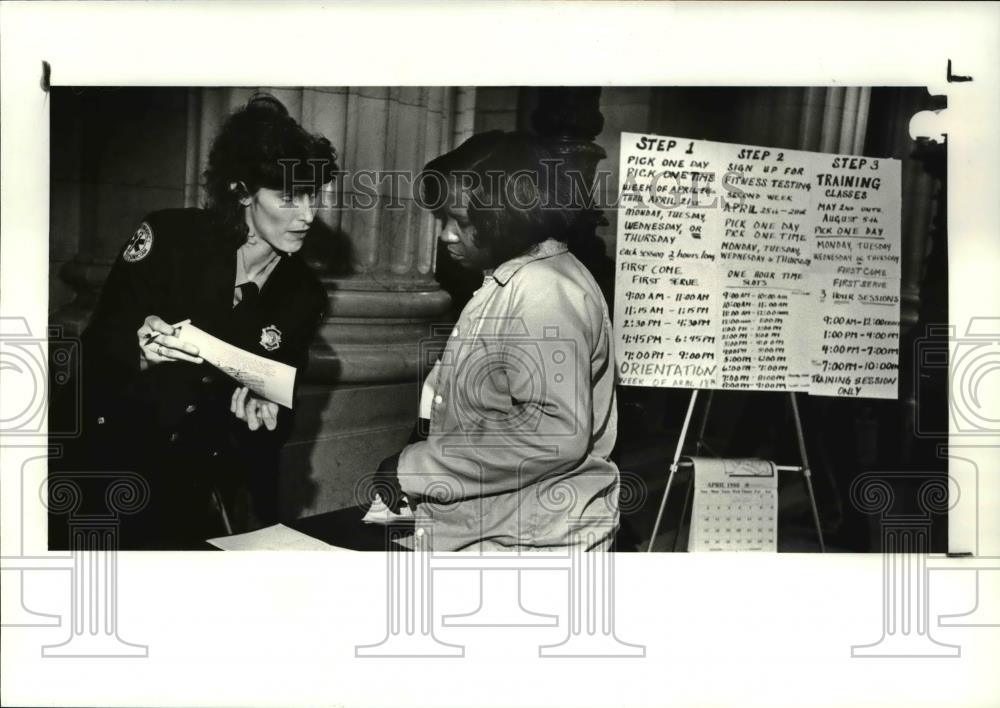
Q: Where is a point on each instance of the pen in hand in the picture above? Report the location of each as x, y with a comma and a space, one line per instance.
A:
153, 335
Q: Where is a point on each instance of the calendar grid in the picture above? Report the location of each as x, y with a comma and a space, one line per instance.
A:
735, 506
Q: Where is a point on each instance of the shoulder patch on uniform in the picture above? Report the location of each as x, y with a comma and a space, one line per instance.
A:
140, 244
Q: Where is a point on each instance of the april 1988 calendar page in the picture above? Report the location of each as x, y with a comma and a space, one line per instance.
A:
735, 506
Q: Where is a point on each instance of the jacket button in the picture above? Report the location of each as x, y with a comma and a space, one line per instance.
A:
206, 379
100, 420
191, 408
438, 399
173, 437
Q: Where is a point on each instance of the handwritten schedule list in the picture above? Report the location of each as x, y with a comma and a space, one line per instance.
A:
755, 268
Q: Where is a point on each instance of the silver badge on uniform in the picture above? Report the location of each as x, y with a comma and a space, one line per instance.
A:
140, 244
270, 338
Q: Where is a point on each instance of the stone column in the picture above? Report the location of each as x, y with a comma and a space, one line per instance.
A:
382, 288
376, 258
832, 119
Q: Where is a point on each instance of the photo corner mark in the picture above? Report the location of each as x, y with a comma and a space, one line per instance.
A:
956, 78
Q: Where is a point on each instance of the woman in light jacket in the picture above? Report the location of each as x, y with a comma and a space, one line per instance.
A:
521, 405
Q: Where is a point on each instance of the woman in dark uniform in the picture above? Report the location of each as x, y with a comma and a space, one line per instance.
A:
151, 404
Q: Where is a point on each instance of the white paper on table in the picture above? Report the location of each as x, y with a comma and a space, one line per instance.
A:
379, 513
273, 538
268, 379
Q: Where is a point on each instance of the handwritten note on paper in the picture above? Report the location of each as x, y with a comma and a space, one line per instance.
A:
668, 286
268, 379
731, 259
855, 345
765, 254
735, 505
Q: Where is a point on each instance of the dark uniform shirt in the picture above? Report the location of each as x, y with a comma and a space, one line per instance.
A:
172, 422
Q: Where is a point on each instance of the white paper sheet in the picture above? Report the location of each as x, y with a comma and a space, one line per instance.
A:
268, 379
379, 513
735, 505
273, 538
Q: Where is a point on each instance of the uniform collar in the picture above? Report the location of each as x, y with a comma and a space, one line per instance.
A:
243, 277
545, 249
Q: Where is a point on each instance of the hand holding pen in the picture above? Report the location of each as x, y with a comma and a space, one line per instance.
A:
158, 344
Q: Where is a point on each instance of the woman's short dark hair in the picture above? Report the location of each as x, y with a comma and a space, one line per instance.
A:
262, 146
517, 196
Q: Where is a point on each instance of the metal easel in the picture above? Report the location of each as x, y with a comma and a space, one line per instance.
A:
701, 444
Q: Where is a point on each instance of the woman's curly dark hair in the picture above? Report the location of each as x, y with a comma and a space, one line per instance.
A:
255, 148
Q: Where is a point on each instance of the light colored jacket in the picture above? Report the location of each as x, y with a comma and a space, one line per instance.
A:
523, 416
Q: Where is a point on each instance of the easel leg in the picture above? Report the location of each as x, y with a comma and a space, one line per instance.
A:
688, 494
673, 468
700, 442
221, 507
699, 445
805, 469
